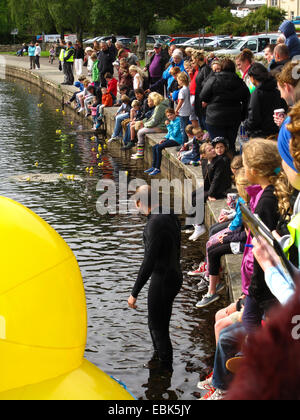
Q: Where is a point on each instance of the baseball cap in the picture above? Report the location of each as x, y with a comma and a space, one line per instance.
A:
157, 45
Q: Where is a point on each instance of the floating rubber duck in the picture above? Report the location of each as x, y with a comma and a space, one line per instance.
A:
72, 146
43, 321
93, 138
93, 149
36, 164
28, 179
63, 112
87, 169
72, 122
98, 156
58, 131
61, 175
57, 110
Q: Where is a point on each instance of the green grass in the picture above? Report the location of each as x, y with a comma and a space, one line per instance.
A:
44, 53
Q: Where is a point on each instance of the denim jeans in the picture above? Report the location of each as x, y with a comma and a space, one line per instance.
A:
184, 121
118, 124
126, 138
157, 152
227, 348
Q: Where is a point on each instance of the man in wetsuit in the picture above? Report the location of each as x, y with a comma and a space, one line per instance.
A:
162, 239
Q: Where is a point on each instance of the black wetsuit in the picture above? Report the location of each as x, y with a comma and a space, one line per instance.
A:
162, 238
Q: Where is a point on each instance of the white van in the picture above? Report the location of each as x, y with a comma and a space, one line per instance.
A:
255, 43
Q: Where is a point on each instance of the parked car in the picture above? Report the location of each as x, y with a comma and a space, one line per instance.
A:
255, 43
181, 40
163, 39
127, 42
196, 42
222, 42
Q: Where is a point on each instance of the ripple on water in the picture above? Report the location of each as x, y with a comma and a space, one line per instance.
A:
109, 249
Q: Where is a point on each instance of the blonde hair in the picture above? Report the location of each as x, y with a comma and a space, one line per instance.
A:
294, 128
203, 148
184, 78
189, 50
156, 98
197, 131
241, 182
198, 55
263, 156
189, 129
135, 103
138, 70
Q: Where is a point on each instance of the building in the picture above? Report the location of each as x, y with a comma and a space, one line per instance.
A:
243, 7
292, 7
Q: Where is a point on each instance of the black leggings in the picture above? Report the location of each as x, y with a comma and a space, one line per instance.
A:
161, 296
214, 255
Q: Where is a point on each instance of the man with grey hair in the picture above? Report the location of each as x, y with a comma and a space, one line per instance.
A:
162, 238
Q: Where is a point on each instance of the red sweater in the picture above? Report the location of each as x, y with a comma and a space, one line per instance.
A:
112, 87
107, 100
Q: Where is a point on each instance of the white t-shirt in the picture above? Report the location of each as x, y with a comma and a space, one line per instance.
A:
186, 109
38, 50
137, 82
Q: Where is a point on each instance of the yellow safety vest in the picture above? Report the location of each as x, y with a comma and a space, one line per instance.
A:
62, 55
71, 59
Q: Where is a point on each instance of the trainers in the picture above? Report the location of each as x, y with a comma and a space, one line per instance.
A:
203, 285
207, 300
208, 396
155, 172
80, 110
148, 171
207, 384
220, 287
218, 395
113, 139
199, 231
195, 273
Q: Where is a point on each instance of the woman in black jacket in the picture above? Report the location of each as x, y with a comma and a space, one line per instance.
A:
226, 97
204, 71
264, 101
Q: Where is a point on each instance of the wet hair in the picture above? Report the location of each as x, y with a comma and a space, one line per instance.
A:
228, 65
294, 129
259, 72
246, 55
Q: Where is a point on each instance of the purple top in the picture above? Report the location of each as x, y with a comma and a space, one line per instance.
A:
255, 192
155, 66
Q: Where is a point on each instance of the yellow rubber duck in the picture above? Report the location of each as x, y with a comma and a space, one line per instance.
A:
43, 318
36, 164
58, 131
57, 110
72, 146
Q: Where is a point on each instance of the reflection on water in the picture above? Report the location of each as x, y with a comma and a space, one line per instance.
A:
109, 249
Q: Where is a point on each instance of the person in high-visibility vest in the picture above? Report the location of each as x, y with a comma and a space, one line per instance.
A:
61, 59
69, 63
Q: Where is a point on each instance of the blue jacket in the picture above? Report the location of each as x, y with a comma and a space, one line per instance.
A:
168, 77
31, 51
238, 220
174, 131
292, 40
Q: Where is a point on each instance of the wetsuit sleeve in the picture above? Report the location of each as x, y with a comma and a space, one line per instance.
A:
152, 252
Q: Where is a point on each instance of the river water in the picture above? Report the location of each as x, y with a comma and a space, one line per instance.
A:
109, 249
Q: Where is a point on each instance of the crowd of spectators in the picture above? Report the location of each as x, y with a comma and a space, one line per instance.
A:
230, 118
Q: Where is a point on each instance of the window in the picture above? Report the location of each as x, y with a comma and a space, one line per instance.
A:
263, 42
252, 45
